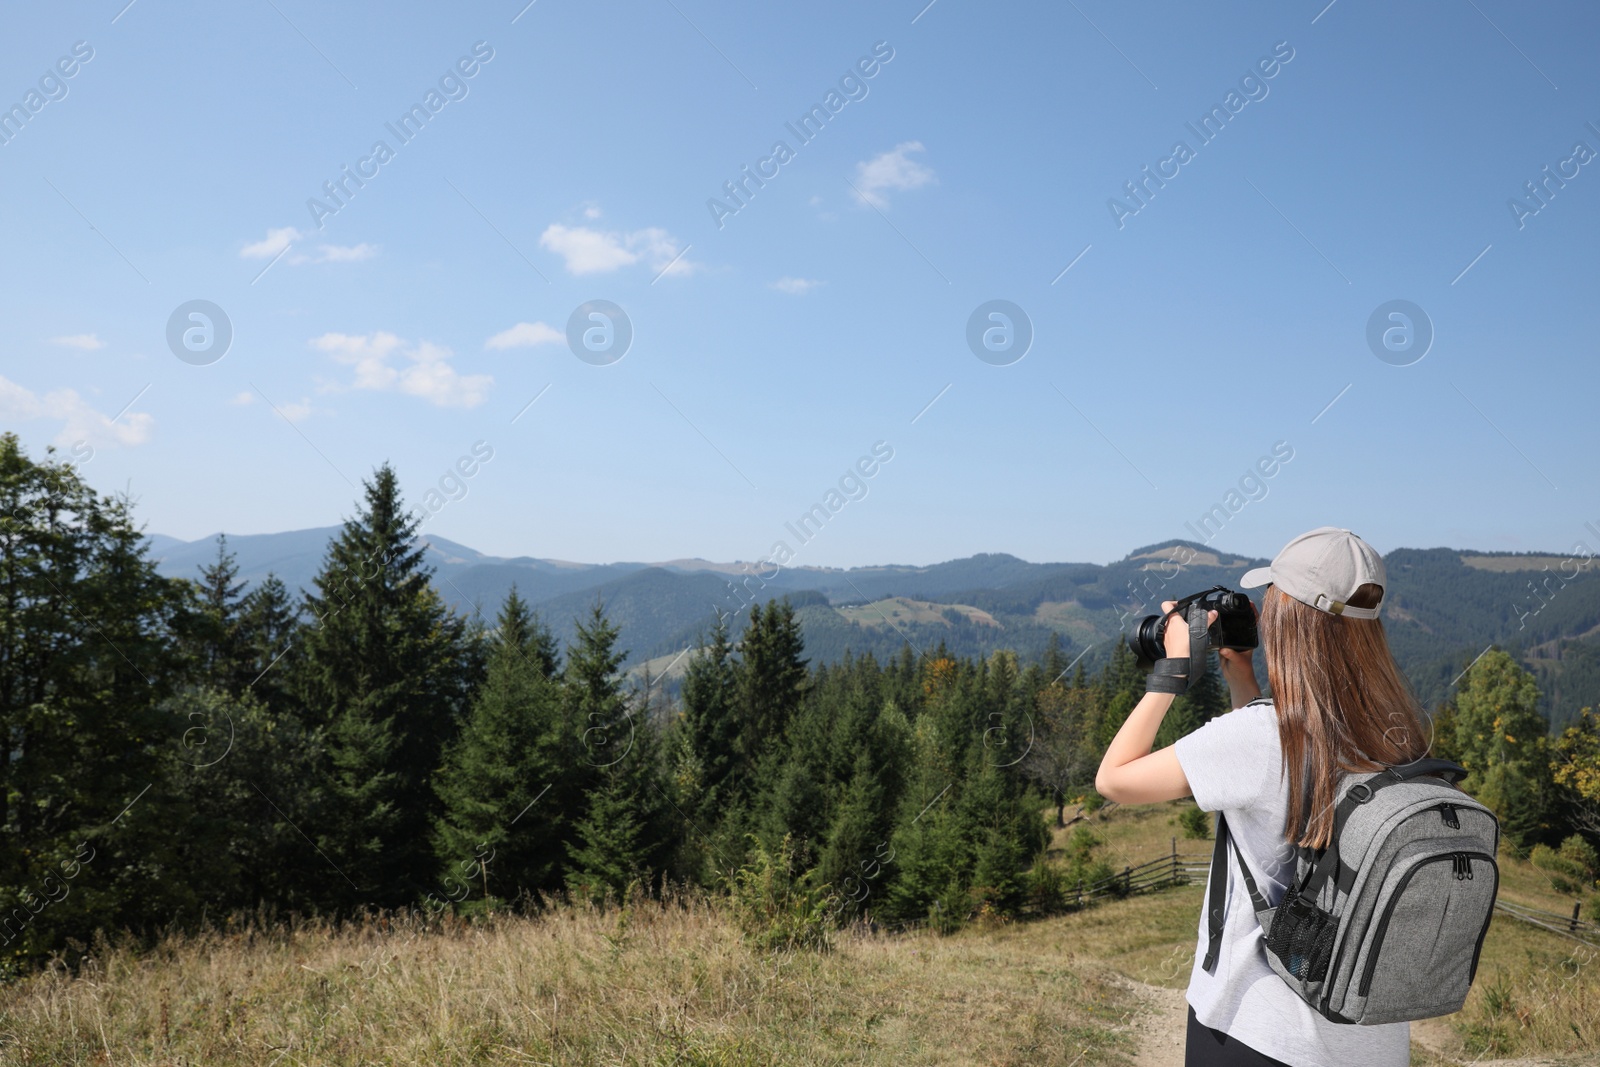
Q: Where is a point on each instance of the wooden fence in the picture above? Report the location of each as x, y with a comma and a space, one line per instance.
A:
1182, 868
1178, 868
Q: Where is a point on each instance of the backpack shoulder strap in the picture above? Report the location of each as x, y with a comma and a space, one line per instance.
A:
1330, 865
1216, 894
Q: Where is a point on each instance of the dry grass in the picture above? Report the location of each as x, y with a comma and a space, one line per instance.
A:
669, 984
652, 984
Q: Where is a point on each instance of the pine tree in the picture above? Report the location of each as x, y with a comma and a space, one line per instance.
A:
852, 862
624, 831
542, 647
220, 655
609, 844
496, 833
269, 634
88, 655
709, 696
386, 670
771, 683
1055, 660
1004, 835
595, 711
1121, 685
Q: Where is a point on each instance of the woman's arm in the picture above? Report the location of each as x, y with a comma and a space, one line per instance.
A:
1130, 773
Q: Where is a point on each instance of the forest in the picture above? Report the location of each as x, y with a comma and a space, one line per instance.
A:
181, 751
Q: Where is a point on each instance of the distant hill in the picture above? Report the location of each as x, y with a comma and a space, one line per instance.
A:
1445, 606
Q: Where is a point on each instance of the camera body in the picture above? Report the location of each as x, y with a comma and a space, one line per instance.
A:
1235, 626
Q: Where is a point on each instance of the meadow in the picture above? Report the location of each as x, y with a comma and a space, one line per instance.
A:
673, 982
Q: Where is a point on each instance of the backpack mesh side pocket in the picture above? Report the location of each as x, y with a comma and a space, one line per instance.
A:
1302, 938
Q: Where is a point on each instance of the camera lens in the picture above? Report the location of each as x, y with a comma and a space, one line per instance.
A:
1146, 638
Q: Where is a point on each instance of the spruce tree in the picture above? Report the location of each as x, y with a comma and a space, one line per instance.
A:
709, 696
1120, 685
1004, 835
542, 646
88, 655
269, 634
623, 831
497, 832
219, 654
386, 670
854, 859
771, 682
1055, 661
927, 840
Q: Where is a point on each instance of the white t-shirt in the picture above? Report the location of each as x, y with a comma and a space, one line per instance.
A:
1233, 765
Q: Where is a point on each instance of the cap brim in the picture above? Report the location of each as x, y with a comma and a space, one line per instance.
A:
1259, 576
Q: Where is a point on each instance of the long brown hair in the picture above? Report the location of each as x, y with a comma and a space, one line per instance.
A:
1342, 703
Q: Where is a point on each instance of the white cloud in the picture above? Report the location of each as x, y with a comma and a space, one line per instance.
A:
276, 241
293, 412
586, 251
297, 412
346, 253
891, 170
591, 251
526, 335
425, 370
796, 286
81, 424
86, 341
17, 402
592, 211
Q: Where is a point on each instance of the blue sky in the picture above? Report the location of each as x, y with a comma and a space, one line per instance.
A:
830, 312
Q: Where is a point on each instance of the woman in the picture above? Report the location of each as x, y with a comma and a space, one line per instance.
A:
1340, 704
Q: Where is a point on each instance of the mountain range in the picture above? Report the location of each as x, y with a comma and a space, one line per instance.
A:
1443, 608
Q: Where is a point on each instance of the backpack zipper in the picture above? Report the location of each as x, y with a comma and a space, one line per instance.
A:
1447, 812
1461, 865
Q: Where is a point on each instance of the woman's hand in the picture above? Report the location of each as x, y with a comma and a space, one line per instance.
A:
1239, 671
1238, 667
1176, 638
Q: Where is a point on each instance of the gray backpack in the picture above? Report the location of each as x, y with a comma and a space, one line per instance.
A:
1386, 923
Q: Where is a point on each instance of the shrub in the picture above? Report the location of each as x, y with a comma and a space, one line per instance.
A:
1577, 851
1047, 887
777, 910
1082, 868
1572, 869
949, 910
1196, 824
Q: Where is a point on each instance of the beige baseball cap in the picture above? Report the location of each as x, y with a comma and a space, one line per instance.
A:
1324, 568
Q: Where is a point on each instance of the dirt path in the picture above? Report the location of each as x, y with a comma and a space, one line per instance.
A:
1161, 1022
1159, 1026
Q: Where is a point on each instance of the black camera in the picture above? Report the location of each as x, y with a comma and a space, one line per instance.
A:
1235, 626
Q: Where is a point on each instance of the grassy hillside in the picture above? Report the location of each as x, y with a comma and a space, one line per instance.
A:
673, 983
651, 985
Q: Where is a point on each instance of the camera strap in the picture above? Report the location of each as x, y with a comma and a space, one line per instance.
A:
1175, 675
